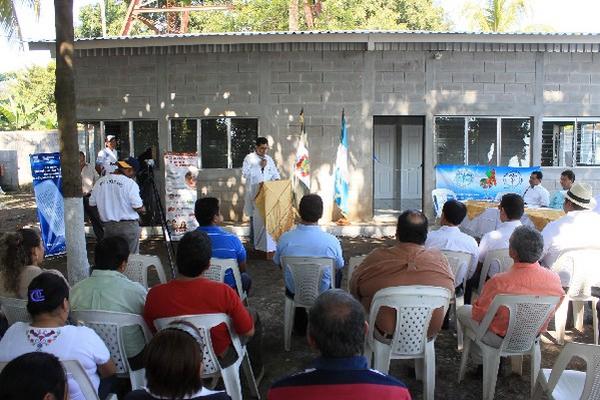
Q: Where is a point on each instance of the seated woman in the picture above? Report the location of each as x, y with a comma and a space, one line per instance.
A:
48, 305
34, 376
21, 254
173, 366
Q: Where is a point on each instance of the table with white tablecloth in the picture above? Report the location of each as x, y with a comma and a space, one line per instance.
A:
484, 216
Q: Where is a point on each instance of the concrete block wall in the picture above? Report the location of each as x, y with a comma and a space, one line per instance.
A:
273, 86
227, 186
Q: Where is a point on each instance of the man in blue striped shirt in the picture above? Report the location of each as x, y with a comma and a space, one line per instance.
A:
224, 244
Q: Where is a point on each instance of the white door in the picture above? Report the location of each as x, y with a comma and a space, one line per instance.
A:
411, 176
384, 160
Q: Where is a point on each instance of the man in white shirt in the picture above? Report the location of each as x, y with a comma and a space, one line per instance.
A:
511, 209
258, 167
567, 178
536, 195
89, 176
106, 161
577, 229
117, 197
449, 237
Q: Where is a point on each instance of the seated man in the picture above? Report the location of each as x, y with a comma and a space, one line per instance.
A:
407, 263
577, 229
107, 289
224, 244
567, 178
536, 195
337, 329
526, 277
190, 293
449, 237
308, 240
511, 210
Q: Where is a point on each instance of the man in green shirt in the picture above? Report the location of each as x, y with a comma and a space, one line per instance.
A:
107, 289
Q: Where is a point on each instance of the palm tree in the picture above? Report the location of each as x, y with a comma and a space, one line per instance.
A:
497, 15
9, 22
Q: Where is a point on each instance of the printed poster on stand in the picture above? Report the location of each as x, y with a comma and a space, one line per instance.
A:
181, 174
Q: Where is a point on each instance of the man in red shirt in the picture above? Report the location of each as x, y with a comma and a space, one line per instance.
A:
525, 277
190, 293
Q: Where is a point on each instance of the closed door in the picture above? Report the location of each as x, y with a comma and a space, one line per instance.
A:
411, 176
384, 148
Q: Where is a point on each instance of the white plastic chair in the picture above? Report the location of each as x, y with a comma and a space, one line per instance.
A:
527, 317
210, 363
109, 326
580, 265
307, 273
74, 369
354, 262
138, 266
501, 258
217, 269
414, 306
561, 384
15, 310
439, 198
458, 260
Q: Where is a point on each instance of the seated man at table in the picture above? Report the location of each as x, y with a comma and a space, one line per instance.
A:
337, 330
536, 195
405, 264
567, 178
190, 293
511, 210
449, 237
577, 229
224, 244
308, 240
525, 277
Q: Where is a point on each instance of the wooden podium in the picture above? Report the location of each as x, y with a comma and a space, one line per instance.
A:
273, 213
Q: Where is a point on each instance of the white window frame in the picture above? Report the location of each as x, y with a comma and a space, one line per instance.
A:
574, 120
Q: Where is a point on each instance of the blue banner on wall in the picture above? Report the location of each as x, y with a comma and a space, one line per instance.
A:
47, 186
482, 182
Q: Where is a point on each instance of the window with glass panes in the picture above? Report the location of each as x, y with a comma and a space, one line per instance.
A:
483, 140
571, 142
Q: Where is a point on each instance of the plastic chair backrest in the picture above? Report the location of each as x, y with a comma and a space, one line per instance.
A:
217, 269
580, 266
307, 273
439, 198
527, 316
15, 310
499, 257
456, 260
204, 323
138, 266
108, 325
591, 355
354, 262
414, 307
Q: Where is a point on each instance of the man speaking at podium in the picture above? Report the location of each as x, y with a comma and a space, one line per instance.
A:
258, 167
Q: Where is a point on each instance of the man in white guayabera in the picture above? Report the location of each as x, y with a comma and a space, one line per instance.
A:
106, 160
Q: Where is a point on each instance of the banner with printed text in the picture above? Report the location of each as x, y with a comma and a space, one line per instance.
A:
181, 174
47, 187
482, 182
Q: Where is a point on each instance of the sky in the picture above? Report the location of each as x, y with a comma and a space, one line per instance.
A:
563, 16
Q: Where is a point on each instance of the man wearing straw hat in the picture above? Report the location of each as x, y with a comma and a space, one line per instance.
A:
577, 229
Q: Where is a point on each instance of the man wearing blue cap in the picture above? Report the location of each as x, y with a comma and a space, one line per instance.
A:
117, 197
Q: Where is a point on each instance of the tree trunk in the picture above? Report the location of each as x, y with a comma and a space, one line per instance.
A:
103, 17
293, 16
308, 15
64, 92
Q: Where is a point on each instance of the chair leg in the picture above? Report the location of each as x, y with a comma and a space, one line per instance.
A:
382, 353
137, 379
429, 372
516, 364
231, 380
250, 378
595, 320
464, 359
536, 359
419, 368
578, 315
560, 320
288, 323
491, 363
539, 390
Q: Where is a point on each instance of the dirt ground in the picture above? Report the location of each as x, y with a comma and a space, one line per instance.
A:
267, 298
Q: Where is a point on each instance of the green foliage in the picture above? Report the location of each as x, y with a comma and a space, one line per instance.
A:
496, 15
29, 103
9, 23
272, 15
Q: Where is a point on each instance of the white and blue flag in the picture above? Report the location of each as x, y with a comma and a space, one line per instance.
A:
342, 177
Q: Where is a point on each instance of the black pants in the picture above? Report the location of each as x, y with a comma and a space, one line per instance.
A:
253, 345
92, 214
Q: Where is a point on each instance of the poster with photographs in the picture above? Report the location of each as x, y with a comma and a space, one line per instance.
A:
181, 173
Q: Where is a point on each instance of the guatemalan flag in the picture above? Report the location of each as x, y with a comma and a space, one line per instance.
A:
341, 170
302, 164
